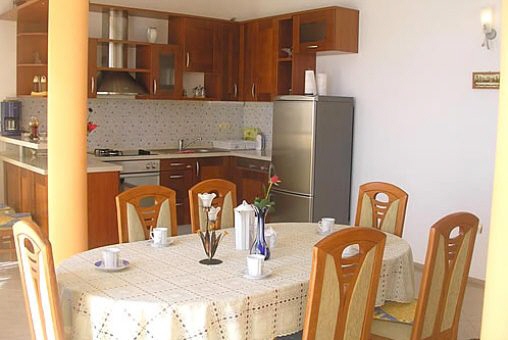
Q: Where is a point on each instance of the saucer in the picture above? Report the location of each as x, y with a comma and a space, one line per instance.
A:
266, 273
99, 265
169, 241
323, 233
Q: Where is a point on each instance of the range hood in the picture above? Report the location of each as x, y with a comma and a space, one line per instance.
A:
115, 23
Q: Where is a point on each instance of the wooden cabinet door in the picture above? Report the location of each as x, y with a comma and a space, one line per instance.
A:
179, 175
92, 68
251, 177
199, 40
12, 186
212, 168
260, 61
227, 59
166, 71
27, 190
40, 205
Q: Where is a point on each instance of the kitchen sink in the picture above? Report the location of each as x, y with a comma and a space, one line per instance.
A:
188, 150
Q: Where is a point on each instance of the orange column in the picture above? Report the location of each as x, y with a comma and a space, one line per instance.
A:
494, 325
67, 114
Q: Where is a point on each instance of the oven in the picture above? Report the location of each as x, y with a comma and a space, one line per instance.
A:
139, 172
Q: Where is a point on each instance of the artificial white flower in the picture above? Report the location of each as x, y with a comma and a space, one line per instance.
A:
212, 214
206, 199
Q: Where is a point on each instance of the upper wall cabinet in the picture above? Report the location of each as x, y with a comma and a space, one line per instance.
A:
328, 29
227, 60
196, 36
166, 74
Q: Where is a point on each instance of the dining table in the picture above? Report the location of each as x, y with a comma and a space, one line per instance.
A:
165, 293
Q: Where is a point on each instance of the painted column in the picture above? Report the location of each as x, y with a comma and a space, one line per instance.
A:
67, 114
494, 325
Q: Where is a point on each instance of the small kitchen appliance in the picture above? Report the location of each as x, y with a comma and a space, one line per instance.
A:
10, 116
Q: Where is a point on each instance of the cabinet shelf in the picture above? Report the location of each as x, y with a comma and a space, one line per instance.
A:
125, 42
33, 34
286, 59
32, 65
130, 70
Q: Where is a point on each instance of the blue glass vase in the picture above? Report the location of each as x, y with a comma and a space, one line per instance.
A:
259, 245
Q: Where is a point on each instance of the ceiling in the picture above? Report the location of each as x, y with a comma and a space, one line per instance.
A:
228, 9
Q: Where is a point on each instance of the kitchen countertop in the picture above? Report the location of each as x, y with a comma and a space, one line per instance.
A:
39, 164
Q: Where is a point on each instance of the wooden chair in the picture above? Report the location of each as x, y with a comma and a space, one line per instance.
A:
144, 207
436, 313
39, 281
226, 199
342, 289
386, 215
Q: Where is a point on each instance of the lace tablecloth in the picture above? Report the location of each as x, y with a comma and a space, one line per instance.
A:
166, 294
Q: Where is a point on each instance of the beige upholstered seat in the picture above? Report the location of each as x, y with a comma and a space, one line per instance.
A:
144, 207
226, 199
342, 289
39, 282
386, 215
436, 313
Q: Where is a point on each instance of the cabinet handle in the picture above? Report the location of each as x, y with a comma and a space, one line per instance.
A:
312, 47
93, 85
176, 164
253, 90
252, 166
187, 61
235, 90
155, 86
263, 168
197, 169
176, 176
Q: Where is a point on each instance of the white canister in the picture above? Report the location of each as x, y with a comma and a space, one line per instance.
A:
310, 83
244, 219
151, 34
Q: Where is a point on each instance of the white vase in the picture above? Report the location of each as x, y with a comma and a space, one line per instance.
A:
151, 34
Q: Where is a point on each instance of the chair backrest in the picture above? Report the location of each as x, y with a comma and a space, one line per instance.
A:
342, 288
144, 207
226, 199
382, 206
444, 278
38, 278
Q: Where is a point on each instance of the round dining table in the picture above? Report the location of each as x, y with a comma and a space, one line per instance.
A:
165, 293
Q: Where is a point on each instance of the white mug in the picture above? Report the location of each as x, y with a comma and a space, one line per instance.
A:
159, 236
110, 257
255, 264
325, 225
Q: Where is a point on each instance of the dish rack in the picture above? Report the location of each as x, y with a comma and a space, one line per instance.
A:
234, 144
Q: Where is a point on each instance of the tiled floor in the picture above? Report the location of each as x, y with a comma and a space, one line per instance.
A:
13, 320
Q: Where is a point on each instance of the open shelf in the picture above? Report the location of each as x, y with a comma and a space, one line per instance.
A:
285, 59
125, 42
32, 65
33, 34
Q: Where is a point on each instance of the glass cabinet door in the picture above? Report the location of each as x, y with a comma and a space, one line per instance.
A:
314, 30
167, 71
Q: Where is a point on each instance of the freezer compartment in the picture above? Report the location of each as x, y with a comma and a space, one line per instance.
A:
291, 207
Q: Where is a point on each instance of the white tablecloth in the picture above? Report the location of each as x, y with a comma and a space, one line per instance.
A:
167, 294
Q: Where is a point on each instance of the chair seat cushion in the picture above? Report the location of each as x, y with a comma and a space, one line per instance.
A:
396, 312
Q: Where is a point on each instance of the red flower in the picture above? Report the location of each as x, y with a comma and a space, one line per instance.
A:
91, 126
275, 180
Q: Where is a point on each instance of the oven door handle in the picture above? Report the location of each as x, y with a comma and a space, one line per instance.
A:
145, 174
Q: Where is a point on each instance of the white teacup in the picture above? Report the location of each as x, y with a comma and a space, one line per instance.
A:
159, 236
111, 257
255, 264
325, 225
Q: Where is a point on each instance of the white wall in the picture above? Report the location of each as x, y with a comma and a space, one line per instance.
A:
418, 123
7, 73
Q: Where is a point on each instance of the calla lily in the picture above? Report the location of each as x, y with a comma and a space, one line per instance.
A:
212, 214
206, 199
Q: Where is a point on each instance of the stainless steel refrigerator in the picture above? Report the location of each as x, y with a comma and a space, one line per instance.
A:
312, 153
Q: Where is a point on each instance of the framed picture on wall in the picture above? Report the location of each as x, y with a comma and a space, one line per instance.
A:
486, 80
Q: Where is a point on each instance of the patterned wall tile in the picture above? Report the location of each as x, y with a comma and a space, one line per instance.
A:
150, 124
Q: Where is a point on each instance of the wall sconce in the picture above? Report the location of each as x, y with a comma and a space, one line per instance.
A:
487, 18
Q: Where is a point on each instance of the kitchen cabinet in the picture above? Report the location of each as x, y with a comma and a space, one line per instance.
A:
251, 177
196, 36
92, 68
327, 29
212, 168
227, 54
179, 175
166, 71
27, 191
259, 60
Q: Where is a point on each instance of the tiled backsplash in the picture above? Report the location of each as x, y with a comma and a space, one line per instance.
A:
128, 124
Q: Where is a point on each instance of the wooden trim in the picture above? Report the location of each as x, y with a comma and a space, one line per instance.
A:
393, 192
220, 187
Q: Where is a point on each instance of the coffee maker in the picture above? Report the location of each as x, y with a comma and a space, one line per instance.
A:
10, 117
